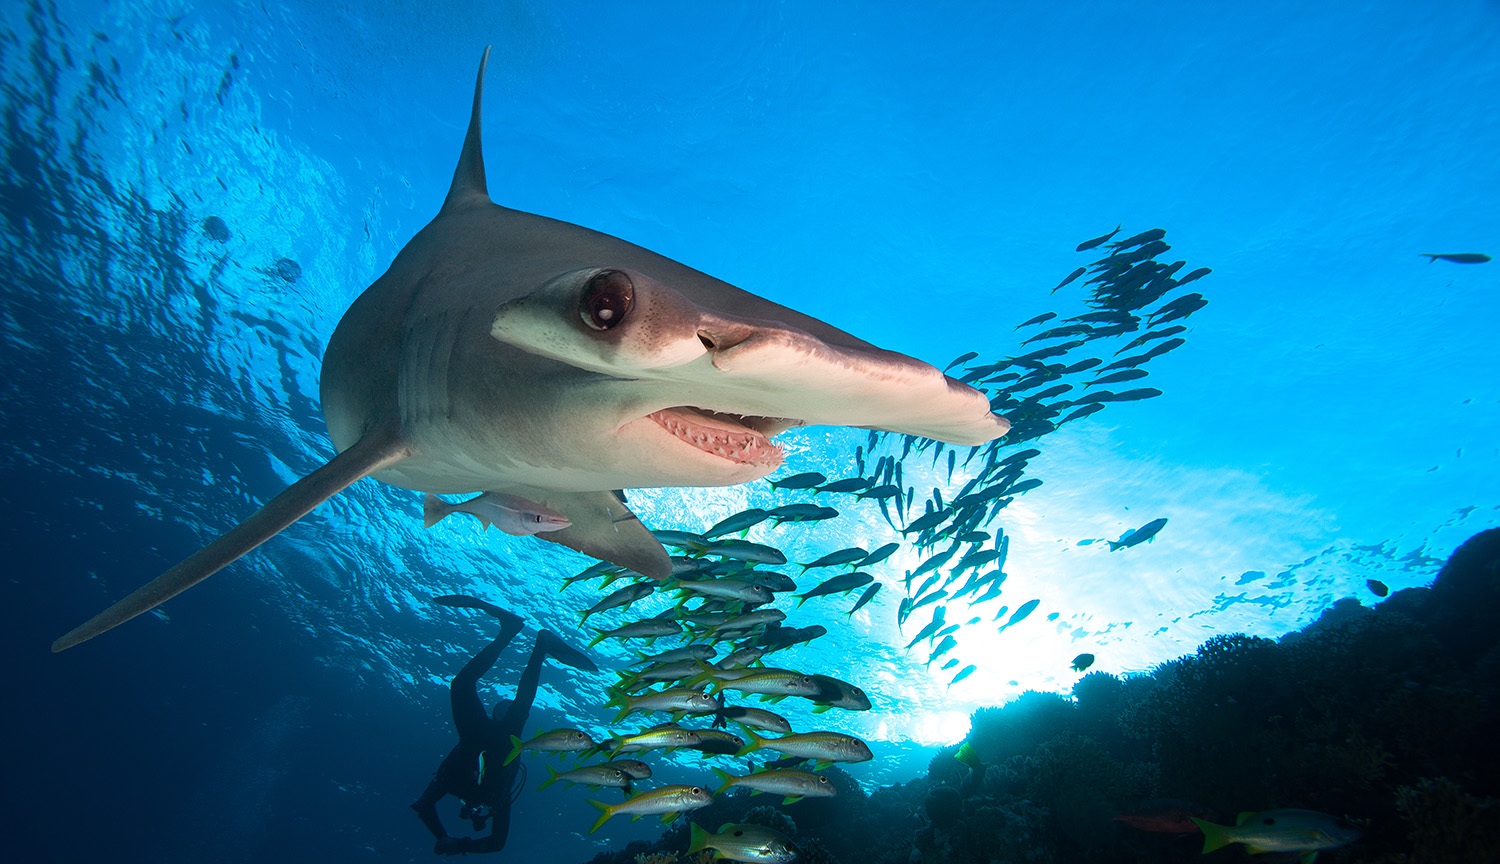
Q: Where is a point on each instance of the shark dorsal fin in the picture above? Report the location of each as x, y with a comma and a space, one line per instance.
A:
468, 178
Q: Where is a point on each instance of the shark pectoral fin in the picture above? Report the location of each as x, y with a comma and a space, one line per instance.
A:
366, 456
606, 529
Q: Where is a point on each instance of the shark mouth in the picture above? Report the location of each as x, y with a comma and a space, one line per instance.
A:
740, 439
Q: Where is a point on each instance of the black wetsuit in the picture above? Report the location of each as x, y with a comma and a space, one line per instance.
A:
481, 733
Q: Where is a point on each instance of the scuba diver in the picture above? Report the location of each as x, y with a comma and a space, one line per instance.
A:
474, 771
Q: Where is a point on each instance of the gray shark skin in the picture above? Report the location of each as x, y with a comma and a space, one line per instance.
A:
510, 353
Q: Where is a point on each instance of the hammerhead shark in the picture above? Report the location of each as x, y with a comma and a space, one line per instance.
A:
524, 357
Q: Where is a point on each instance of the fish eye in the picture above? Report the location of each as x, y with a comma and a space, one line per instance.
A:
823, 780
606, 300
697, 790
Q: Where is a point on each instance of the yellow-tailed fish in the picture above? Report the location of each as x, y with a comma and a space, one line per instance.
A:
824, 747
766, 682
663, 737
637, 769
623, 597
754, 844
790, 782
647, 629
756, 718
1305, 831
589, 775
834, 693
716, 742
689, 652
555, 741
678, 700
670, 801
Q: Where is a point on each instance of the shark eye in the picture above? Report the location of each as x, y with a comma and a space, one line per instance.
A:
606, 300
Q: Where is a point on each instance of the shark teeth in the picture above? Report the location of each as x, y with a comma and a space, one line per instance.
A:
724, 435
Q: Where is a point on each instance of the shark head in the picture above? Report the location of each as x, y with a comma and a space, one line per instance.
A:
516, 355
704, 391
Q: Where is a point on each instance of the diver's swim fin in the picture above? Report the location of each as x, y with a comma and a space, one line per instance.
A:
464, 601
366, 456
564, 653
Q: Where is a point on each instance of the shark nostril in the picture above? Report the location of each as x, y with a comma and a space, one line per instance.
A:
708, 341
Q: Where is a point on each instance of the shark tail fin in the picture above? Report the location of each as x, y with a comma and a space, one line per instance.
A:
434, 510
366, 456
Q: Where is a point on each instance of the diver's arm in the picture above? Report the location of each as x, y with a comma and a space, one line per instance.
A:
426, 808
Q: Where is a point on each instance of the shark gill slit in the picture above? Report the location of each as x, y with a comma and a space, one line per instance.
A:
371, 453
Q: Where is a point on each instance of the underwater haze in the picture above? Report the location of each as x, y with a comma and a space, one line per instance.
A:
194, 193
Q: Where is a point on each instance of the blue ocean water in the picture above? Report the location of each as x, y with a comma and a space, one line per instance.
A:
918, 178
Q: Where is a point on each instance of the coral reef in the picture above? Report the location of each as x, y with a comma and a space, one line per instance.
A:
812, 851
772, 818
1012, 832
1384, 715
944, 806
1447, 824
